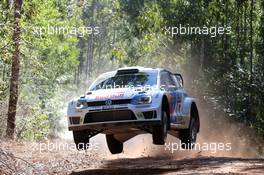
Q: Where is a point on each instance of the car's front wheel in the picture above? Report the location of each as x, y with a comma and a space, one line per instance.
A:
114, 146
159, 132
81, 139
188, 136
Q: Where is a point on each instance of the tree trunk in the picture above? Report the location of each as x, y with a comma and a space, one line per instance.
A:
238, 30
89, 62
202, 54
80, 68
245, 37
10, 130
227, 61
91, 54
251, 40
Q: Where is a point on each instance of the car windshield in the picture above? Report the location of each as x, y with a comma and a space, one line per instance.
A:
126, 81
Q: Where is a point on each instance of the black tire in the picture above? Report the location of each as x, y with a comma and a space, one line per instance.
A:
114, 146
159, 132
188, 136
81, 140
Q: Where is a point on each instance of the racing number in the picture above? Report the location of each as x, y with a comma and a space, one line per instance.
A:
179, 102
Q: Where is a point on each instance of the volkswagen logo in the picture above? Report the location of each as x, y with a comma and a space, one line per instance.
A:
108, 102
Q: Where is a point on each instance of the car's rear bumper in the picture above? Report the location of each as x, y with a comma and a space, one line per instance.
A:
110, 124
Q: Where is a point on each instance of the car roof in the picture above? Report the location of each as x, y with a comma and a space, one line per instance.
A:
113, 73
141, 69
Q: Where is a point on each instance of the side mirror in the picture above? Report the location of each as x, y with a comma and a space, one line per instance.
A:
179, 78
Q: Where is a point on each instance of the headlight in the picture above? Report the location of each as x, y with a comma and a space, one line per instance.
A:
79, 104
141, 99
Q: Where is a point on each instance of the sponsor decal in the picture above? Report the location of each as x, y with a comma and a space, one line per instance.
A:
109, 96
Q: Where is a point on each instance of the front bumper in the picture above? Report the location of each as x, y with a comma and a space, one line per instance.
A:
110, 124
119, 115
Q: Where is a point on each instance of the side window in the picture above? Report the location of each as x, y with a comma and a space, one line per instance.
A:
163, 78
166, 80
175, 80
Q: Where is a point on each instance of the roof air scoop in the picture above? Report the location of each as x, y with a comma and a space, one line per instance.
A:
127, 71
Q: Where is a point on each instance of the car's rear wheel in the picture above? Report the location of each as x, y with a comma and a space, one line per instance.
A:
114, 146
188, 136
81, 139
159, 132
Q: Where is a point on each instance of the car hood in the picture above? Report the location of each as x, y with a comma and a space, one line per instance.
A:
120, 93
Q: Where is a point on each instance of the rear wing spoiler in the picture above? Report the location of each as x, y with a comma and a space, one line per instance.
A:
179, 78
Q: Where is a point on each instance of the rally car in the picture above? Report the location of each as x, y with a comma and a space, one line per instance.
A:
134, 100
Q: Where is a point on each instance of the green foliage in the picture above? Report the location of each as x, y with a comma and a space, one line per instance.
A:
34, 128
47, 61
224, 68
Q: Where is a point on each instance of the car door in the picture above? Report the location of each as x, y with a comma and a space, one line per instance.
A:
180, 93
168, 85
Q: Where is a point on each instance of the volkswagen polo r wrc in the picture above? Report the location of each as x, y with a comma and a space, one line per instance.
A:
134, 100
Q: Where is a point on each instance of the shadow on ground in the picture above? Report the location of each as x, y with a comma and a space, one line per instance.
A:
200, 165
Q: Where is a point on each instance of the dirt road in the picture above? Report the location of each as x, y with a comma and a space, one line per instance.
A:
202, 165
54, 161
140, 156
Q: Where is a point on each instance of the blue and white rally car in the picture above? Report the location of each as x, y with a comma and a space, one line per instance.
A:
131, 101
